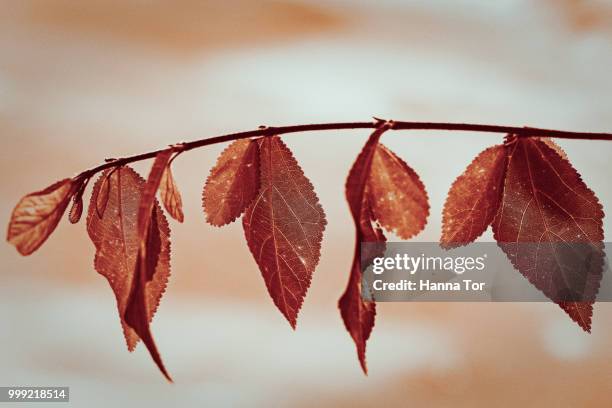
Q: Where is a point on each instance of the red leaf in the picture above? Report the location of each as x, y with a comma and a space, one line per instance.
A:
76, 210
233, 183
397, 196
36, 215
117, 242
474, 198
170, 195
358, 314
102, 196
380, 187
546, 206
136, 313
147, 197
74, 215
284, 227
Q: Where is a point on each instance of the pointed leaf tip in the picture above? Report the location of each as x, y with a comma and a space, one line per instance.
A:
284, 227
117, 243
147, 263
579, 312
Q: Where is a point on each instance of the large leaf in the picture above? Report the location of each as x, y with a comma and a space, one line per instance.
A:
284, 227
380, 189
115, 236
136, 312
233, 183
549, 224
37, 214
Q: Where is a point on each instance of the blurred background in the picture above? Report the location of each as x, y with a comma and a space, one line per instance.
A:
81, 81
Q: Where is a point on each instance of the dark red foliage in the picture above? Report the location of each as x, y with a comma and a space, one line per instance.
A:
136, 312
284, 227
474, 198
380, 188
232, 183
540, 210
538, 205
117, 241
546, 202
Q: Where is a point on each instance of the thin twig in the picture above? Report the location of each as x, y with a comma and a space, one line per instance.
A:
394, 125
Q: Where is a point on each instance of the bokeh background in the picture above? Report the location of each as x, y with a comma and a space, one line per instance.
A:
81, 81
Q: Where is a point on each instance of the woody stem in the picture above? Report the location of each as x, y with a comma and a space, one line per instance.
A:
393, 125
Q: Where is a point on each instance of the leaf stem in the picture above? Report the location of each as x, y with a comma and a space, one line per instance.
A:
393, 125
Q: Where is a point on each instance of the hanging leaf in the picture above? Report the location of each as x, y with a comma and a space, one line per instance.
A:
380, 188
357, 313
136, 312
284, 227
474, 198
36, 215
233, 183
117, 243
170, 195
549, 224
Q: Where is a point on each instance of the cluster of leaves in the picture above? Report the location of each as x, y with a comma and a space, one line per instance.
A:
525, 188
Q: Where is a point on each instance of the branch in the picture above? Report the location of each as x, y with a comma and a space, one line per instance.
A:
377, 123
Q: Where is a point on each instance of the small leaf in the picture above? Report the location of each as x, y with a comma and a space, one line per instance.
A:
380, 188
76, 210
103, 194
233, 183
117, 242
36, 216
74, 215
474, 198
397, 196
284, 227
170, 195
546, 212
